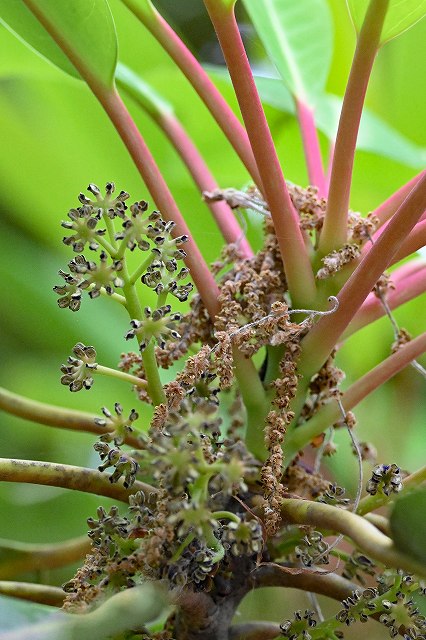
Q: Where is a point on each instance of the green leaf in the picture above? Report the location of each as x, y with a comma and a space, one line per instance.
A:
84, 28
298, 38
401, 15
407, 523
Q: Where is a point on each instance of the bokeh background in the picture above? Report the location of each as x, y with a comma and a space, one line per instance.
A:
55, 139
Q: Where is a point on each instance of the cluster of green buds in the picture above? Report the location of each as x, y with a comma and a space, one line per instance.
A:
299, 627
119, 425
334, 495
312, 549
124, 464
385, 478
78, 370
158, 324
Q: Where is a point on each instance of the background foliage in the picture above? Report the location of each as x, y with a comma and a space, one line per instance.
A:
56, 139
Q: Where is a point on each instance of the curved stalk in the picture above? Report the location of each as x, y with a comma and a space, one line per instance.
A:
22, 557
334, 232
369, 539
51, 416
68, 477
295, 257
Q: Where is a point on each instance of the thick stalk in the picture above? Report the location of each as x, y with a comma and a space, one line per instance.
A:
68, 477
413, 242
409, 281
201, 82
330, 413
322, 338
334, 232
385, 211
295, 257
52, 416
22, 557
311, 147
370, 540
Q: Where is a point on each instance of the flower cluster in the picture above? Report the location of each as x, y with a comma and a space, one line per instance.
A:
79, 369
298, 628
385, 478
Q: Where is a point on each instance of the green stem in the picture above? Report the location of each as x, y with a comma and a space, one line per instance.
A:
371, 503
109, 223
68, 477
256, 404
126, 610
226, 515
334, 232
120, 375
299, 437
140, 269
298, 269
41, 593
155, 388
23, 557
113, 296
369, 539
51, 416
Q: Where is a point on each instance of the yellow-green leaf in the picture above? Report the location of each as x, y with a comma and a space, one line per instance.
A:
401, 15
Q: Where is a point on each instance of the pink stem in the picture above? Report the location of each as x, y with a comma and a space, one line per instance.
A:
297, 266
202, 177
413, 242
320, 341
202, 84
409, 281
159, 190
329, 167
334, 232
311, 147
330, 413
386, 210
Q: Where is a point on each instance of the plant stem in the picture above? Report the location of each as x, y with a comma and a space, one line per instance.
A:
295, 257
409, 281
386, 210
159, 190
22, 557
52, 416
413, 242
141, 269
167, 121
330, 413
370, 503
322, 338
200, 80
334, 232
311, 147
369, 539
120, 375
68, 477
256, 404
41, 593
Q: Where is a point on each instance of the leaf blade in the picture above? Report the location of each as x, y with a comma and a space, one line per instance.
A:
401, 15
298, 39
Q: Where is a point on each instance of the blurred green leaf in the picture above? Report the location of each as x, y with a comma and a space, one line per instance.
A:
142, 92
85, 27
15, 613
407, 524
298, 38
401, 15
